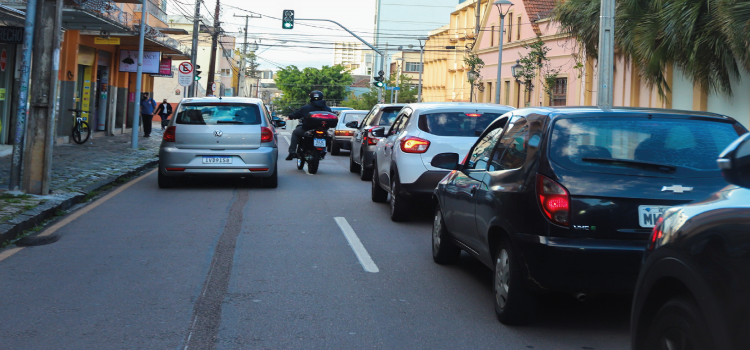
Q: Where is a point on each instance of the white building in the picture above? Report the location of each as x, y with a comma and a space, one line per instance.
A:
353, 56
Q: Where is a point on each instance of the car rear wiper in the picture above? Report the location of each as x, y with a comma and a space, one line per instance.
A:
663, 167
229, 122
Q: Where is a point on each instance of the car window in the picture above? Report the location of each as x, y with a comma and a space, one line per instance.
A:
688, 146
456, 123
388, 116
401, 120
350, 117
480, 154
512, 149
219, 113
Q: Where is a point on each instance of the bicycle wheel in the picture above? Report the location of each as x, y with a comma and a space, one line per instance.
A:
81, 133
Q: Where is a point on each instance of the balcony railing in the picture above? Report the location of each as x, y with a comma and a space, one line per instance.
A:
155, 35
155, 10
101, 8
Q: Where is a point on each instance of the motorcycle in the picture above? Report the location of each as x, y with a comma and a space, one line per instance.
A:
312, 148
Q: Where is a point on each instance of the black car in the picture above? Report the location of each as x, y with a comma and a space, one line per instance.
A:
564, 199
363, 142
693, 291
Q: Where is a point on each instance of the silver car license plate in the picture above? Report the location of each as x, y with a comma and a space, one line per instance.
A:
217, 160
319, 142
648, 214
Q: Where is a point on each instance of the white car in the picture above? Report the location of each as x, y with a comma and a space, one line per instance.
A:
421, 131
342, 135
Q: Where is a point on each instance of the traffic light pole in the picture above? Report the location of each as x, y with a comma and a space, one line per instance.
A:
382, 55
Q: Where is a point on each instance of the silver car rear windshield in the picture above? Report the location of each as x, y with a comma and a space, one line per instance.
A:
219, 113
456, 123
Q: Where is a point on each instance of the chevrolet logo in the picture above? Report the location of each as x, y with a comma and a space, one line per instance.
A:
218, 133
676, 189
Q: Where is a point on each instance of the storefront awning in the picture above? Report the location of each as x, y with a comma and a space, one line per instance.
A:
130, 42
11, 14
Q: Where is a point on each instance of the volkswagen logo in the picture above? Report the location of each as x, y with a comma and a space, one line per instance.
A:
218, 133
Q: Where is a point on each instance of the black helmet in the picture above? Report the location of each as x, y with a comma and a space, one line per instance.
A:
316, 95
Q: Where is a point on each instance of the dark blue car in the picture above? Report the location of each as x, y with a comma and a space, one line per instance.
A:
565, 199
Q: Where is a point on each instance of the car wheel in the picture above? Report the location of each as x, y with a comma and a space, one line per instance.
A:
353, 167
365, 174
165, 181
273, 180
514, 304
679, 324
378, 195
300, 161
399, 205
335, 148
443, 250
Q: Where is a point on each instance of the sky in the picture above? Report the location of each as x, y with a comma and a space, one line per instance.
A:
310, 43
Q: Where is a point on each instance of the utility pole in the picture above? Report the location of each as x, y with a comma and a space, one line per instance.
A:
241, 78
193, 88
421, 66
37, 160
606, 54
23, 97
214, 42
139, 78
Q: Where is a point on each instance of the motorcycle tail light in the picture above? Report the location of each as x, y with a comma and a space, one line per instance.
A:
169, 134
554, 200
414, 145
266, 135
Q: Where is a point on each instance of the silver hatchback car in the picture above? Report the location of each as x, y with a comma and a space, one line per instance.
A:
222, 137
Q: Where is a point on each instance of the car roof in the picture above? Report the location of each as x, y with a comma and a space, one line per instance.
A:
582, 110
342, 108
357, 111
227, 99
433, 106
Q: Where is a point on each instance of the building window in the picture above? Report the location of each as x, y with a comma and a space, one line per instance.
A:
560, 92
369, 71
507, 93
492, 36
518, 28
413, 67
510, 28
227, 53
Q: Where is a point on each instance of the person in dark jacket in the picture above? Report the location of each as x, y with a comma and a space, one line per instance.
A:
316, 104
164, 111
147, 113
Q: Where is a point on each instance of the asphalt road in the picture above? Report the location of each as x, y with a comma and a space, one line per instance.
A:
230, 265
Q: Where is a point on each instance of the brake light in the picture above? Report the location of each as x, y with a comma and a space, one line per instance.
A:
414, 145
258, 169
324, 116
175, 169
319, 132
266, 135
169, 134
473, 115
656, 233
344, 133
554, 200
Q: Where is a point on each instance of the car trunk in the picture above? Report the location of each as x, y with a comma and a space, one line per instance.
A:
217, 137
626, 207
445, 144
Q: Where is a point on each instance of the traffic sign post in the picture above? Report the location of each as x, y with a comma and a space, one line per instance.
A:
214, 88
185, 74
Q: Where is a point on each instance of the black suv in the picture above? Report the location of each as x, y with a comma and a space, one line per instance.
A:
564, 199
363, 142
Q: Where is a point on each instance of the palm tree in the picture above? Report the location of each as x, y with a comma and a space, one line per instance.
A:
706, 39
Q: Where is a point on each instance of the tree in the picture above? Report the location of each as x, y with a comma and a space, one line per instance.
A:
536, 62
705, 39
406, 94
297, 84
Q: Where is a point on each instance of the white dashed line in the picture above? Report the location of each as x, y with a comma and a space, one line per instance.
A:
357, 247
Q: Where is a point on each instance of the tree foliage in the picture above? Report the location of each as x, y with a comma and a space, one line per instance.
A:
407, 94
706, 39
297, 84
536, 62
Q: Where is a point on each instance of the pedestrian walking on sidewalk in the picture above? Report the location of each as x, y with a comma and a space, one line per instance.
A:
147, 113
164, 111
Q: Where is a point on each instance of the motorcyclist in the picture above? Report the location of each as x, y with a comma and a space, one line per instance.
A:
316, 104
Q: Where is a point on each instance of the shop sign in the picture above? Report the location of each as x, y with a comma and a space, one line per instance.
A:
86, 55
3, 60
107, 41
11, 35
165, 66
129, 61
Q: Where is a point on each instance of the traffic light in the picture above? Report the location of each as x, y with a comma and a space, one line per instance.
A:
379, 79
287, 20
197, 72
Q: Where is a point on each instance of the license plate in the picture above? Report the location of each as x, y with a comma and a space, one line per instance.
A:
648, 214
319, 142
217, 160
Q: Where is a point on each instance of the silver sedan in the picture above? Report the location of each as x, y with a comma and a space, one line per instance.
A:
221, 137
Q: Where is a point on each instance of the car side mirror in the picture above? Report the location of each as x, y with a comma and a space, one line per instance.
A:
352, 124
378, 132
279, 123
445, 161
734, 162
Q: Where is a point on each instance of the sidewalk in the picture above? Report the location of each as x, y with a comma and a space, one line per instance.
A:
77, 170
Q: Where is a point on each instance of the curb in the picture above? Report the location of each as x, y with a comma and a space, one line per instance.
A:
30, 219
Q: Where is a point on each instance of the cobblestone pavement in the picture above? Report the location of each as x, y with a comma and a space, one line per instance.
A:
74, 167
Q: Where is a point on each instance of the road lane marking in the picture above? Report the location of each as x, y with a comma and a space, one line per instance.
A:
50, 230
288, 142
357, 247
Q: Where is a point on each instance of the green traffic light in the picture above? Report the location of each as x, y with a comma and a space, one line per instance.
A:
379, 84
197, 78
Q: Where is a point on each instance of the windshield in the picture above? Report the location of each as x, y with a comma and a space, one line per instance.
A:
219, 113
350, 117
456, 123
388, 116
686, 146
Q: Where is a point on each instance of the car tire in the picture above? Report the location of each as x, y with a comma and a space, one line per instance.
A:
273, 180
365, 173
444, 252
679, 322
335, 148
399, 205
165, 181
378, 194
353, 167
514, 304
313, 163
300, 162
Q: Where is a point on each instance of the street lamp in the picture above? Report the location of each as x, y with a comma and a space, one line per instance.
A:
517, 71
499, 4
